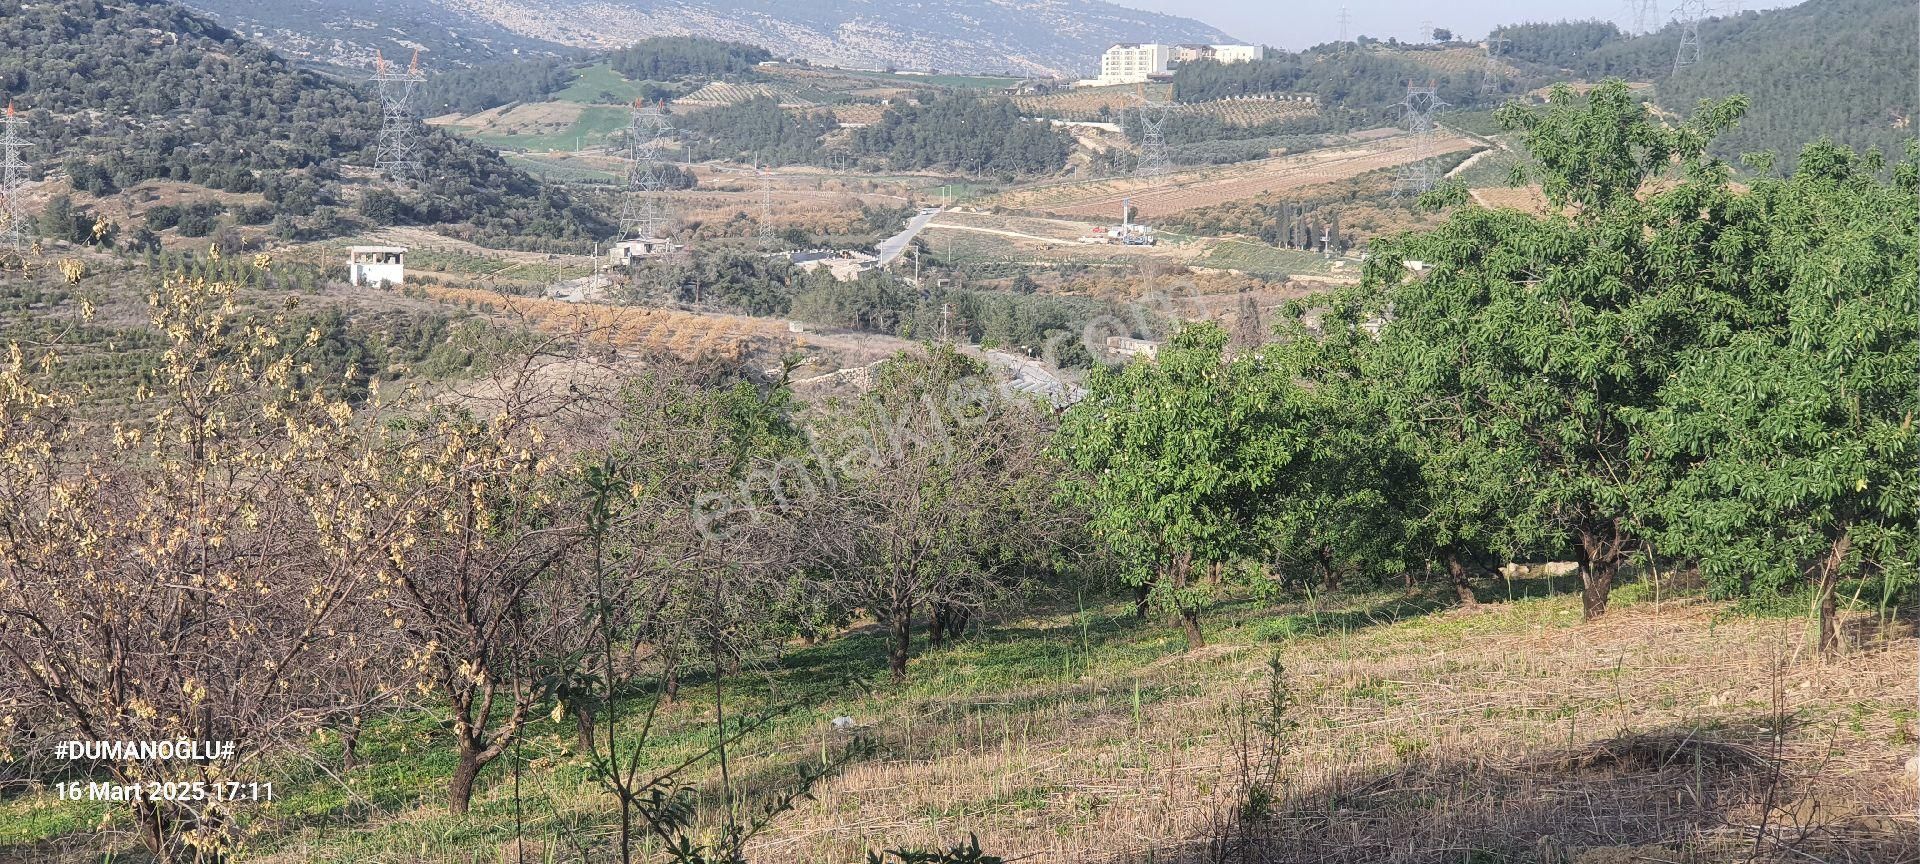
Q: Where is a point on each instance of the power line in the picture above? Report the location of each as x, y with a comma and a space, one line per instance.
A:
399, 150
765, 176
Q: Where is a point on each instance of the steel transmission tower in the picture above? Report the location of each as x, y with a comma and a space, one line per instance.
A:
1153, 143
1645, 13
13, 180
1419, 107
399, 153
765, 176
1690, 13
1495, 72
643, 215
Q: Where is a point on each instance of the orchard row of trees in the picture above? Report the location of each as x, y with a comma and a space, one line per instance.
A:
1680, 373
1676, 372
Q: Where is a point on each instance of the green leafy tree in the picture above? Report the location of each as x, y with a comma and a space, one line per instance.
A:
1791, 439
1523, 344
1176, 455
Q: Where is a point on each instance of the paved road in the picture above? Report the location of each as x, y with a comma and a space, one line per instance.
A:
892, 247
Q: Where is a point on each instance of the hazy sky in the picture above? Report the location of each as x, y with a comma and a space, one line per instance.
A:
1298, 26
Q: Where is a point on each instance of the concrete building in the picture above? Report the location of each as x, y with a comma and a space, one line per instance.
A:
1127, 346
626, 252
846, 265
375, 265
1221, 53
1131, 63
1134, 63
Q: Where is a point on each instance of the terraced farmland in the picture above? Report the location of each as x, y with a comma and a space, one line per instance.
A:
1249, 112
539, 126
721, 93
1203, 187
857, 114
1085, 103
682, 334
1456, 61
1088, 103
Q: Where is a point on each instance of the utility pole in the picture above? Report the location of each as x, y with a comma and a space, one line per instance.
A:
13, 181
399, 150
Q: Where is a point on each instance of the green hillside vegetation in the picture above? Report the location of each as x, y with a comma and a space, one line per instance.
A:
144, 90
755, 131
961, 132
1366, 78
600, 84
668, 58
475, 89
1839, 69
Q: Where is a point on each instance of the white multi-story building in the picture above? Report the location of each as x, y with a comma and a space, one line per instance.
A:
1135, 63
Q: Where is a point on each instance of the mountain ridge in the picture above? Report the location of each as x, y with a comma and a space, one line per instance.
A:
1048, 37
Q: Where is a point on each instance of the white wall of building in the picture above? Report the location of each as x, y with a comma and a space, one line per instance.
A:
1235, 53
1132, 64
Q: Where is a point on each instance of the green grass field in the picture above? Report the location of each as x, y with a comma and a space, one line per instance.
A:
1053, 731
560, 168
591, 85
595, 125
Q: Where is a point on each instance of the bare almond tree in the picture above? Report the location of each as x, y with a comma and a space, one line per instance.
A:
183, 575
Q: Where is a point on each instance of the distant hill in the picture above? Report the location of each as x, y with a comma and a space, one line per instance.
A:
119, 92
1837, 68
346, 32
1038, 36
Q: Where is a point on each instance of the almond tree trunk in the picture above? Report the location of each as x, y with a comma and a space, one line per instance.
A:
583, 726
900, 638
350, 743
937, 628
465, 772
